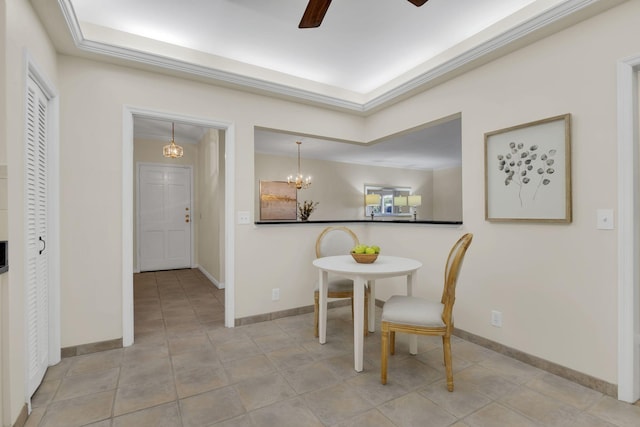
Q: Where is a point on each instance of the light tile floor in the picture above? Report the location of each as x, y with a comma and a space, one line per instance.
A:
186, 370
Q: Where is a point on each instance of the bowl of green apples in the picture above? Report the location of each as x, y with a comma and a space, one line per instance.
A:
364, 254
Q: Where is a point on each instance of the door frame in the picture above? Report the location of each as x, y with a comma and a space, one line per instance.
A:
191, 228
127, 209
628, 230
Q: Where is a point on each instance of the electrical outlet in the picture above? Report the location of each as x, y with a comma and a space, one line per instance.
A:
243, 217
275, 294
496, 319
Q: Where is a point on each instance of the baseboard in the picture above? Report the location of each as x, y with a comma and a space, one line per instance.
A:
286, 313
553, 368
22, 417
559, 370
95, 347
212, 279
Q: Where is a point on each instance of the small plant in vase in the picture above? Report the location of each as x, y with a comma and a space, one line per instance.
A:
306, 208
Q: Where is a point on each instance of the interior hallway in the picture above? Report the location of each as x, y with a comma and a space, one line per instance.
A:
186, 370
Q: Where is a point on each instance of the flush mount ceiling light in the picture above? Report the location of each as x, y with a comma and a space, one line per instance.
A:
300, 181
172, 150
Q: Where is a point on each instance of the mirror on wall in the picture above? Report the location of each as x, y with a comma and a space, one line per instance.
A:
424, 161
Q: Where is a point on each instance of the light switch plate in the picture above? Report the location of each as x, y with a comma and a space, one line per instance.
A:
604, 219
243, 217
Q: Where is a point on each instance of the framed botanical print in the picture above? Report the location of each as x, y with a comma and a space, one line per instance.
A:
528, 172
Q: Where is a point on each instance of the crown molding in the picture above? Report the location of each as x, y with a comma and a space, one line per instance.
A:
473, 57
485, 50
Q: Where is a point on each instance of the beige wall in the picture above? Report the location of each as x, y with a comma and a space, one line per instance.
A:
555, 284
447, 190
23, 33
4, 203
3, 155
208, 196
4, 232
93, 112
4, 351
210, 214
339, 187
519, 269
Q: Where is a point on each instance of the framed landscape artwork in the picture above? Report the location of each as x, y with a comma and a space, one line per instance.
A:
278, 201
528, 172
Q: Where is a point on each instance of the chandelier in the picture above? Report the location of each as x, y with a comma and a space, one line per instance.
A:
172, 150
300, 181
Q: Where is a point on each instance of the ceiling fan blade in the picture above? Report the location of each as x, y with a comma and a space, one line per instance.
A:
314, 13
418, 2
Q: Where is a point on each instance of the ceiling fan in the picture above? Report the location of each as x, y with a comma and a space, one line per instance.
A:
316, 9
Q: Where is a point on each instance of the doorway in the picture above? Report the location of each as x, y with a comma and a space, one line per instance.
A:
228, 231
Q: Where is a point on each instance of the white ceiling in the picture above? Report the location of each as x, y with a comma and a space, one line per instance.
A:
432, 147
360, 46
365, 55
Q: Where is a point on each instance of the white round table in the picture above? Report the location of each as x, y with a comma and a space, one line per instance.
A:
346, 266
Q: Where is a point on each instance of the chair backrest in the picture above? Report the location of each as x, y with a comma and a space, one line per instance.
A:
335, 241
454, 263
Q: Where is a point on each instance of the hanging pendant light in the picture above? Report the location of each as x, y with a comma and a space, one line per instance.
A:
300, 181
172, 150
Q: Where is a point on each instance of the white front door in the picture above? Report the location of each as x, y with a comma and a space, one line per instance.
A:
37, 265
164, 217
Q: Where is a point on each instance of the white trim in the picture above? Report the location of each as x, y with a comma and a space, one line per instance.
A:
208, 275
628, 231
229, 225
192, 249
127, 227
127, 210
491, 47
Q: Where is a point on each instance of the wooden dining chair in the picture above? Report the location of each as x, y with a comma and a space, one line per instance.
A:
338, 241
414, 315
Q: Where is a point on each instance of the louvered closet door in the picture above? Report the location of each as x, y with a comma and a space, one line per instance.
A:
36, 236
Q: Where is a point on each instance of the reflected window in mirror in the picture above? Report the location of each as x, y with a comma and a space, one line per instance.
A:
390, 200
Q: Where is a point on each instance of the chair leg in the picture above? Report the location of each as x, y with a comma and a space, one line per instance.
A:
392, 339
316, 313
446, 345
384, 352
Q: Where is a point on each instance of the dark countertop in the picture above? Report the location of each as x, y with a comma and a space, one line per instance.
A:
363, 221
4, 259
